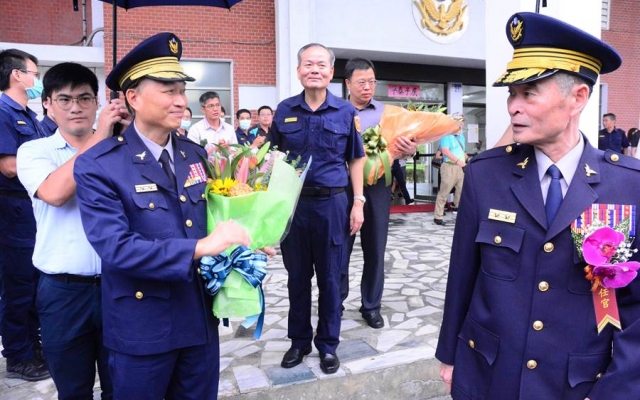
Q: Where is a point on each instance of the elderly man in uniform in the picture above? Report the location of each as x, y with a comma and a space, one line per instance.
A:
318, 124
519, 318
19, 83
141, 197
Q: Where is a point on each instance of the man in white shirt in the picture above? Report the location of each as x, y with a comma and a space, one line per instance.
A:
212, 129
69, 292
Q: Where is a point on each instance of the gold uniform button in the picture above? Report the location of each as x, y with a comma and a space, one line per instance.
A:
543, 286
599, 376
202, 195
120, 139
538, 325
497, 240
614, 157
509, 149
472, 344
139, 295
548, 247
183, 198
188, 223
198, 271
532, 364
152, 206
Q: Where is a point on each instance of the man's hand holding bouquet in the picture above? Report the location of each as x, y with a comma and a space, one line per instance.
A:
383, 143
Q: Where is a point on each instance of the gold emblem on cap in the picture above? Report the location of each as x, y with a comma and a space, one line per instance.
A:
523, 164
589, 171
173, 45
516, 28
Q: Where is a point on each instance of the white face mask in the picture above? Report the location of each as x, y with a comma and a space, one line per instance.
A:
244, 124
185, 124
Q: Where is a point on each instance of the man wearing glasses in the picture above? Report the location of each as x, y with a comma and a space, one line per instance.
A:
19, 82
212, 129
360, 79
69, 293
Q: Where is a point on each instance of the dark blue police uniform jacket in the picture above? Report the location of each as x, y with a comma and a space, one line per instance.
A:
17, 126
615, 141
504, 276
145, 233
320, 226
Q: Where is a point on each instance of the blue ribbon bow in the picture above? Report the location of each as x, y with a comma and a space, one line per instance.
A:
251, 266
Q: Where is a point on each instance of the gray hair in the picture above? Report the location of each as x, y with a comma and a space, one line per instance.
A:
303, 48
567, 81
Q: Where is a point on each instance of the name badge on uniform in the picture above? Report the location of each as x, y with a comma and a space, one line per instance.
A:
196, 175
291, 119
148, 187
502, 216
21, 122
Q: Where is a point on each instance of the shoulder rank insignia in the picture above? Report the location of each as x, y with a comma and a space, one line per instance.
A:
142, 155
523, 164
589, 171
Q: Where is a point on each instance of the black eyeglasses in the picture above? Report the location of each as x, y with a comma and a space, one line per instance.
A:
65, 103
34, 73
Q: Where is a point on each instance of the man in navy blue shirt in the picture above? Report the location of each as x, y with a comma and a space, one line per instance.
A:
19, 82
318, 124
612, 138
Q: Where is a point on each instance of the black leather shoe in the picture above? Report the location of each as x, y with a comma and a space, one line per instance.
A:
410, 201
374, 319
438, 221
329, 363
29, 370
294, 357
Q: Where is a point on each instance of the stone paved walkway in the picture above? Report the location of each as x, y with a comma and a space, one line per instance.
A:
416, 264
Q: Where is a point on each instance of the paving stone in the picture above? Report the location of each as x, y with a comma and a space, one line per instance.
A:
286, 376
354, 349
250, 378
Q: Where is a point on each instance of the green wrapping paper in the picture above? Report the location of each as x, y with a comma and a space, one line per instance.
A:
266, 216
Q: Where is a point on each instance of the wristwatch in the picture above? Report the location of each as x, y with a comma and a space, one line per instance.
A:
361, 198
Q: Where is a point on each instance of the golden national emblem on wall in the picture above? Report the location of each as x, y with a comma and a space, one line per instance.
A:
443, 21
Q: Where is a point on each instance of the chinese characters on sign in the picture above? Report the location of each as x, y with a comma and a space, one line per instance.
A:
404, 91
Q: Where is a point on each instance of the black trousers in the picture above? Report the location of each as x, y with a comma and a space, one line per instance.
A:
373, 239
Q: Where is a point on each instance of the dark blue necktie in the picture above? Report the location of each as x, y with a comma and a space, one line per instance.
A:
554, 195
165, 162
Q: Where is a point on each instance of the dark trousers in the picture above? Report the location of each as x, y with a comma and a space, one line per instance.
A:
71, 319
316, 243
399, 176
19, 324
373, 240
190, 373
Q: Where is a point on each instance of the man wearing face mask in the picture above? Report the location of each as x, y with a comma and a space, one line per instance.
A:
19, 82
242, 133
185, 123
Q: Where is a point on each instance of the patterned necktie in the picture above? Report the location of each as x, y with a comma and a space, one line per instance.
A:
554, 195
165, 161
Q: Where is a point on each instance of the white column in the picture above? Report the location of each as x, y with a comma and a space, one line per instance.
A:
295, 27
584, 14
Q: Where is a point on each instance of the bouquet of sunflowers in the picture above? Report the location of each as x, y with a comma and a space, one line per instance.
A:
417, 122
258, 191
